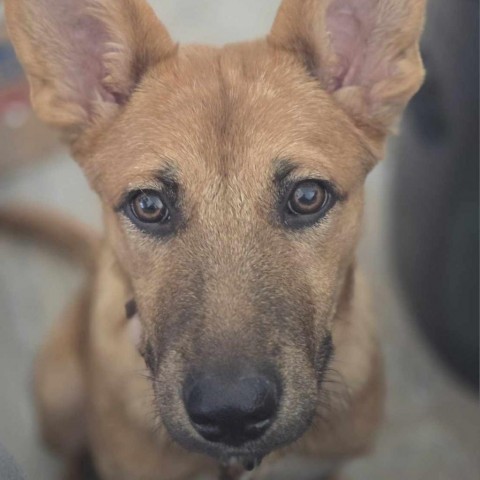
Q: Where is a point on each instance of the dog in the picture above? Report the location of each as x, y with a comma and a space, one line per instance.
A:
225, 326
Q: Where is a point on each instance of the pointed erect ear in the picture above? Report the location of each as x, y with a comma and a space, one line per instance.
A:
364, 52
83, 58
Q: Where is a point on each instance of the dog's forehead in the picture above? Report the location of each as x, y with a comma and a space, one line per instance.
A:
230, 113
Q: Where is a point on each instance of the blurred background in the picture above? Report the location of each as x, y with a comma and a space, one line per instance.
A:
420, 246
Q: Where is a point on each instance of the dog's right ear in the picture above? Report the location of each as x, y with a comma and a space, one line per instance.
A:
83, 58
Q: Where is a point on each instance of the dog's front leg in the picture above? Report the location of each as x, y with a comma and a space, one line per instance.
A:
60, 383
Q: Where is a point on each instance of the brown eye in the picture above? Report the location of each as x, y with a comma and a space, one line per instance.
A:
148, 207
307, 198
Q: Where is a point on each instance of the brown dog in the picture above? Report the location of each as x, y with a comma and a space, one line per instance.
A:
232, 188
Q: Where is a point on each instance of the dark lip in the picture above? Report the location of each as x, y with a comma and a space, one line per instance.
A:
219, 452
248, 453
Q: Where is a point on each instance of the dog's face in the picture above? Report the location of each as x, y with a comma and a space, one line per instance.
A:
232, 183
234, 206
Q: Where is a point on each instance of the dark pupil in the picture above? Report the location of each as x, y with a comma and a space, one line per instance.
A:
306, 196
150, 207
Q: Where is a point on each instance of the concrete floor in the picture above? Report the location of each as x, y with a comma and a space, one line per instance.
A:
432, 427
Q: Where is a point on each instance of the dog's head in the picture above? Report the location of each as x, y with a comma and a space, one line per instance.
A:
232, 183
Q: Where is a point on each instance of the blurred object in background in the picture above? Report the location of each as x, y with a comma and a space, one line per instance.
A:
435, 217
9, 470
22, 137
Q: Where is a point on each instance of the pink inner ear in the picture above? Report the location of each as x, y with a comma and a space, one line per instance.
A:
350, 24
82, 43
87, 66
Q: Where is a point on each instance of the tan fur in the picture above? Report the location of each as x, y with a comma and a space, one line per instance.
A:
67, 235
232, 285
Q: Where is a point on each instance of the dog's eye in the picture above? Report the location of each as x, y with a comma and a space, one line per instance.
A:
306, 202
307, 197
149, 207
149, 211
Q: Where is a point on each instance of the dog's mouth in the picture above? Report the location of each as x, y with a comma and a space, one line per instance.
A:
230, 459
247, 456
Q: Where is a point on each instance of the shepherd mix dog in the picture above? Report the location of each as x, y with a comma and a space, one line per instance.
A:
224, 321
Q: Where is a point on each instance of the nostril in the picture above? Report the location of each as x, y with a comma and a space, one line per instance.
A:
201, 418
213, 433
206, 426
254, 430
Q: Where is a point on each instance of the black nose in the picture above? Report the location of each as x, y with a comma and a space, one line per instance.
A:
231, 410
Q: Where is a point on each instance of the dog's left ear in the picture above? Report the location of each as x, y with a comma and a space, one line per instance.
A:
364, 52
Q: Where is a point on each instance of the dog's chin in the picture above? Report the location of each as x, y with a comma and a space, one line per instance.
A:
281, 434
